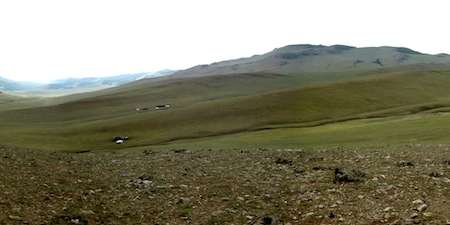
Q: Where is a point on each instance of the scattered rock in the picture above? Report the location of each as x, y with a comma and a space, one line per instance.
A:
422, 207
142, 181
69, 219
180, 151
343, 175
436, 174
317, 168
87, 212
148, 152
104, 188
16, 218
185, 201
405, 164
299, 170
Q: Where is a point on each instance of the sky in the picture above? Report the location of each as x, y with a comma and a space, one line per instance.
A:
53, 39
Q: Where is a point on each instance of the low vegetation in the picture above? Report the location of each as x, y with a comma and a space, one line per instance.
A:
361, 139
221, 105
407, 184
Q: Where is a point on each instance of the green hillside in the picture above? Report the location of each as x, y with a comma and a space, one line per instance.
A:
422, 128
220, 105
264, 100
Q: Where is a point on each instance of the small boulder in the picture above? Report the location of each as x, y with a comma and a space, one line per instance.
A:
422, 207
343, 175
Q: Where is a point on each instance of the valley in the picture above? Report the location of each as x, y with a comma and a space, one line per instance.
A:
228, 104
300, 135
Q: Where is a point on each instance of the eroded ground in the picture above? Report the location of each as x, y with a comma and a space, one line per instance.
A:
401, 185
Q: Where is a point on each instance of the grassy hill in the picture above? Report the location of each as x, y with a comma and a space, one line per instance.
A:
319, 97
213, 106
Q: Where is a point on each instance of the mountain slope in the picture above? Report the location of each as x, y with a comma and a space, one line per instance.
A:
318, 59
212, 105
90, 122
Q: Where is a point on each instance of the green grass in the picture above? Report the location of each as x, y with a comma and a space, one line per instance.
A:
425, 128
217, 106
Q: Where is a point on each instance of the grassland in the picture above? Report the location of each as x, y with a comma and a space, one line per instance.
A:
423, 128
307, 148
252, 109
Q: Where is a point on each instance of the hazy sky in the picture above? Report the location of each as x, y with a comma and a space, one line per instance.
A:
50, 39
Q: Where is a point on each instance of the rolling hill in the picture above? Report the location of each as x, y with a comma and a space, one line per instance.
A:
297, 103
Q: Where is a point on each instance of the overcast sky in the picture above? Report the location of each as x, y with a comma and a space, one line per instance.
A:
51, 39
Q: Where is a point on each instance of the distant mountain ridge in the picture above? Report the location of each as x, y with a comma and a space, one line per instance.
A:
111, 81
305, 58
10, 85
77, 84
291, 59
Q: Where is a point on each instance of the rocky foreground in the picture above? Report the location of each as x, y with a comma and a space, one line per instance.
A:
401, 185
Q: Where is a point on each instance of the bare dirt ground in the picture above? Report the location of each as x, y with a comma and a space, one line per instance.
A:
401, 185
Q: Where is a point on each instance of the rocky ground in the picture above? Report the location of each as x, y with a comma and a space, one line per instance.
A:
401, 185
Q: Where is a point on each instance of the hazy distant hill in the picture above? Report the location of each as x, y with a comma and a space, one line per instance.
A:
9, 85
99, 82
74, 85
293, 59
